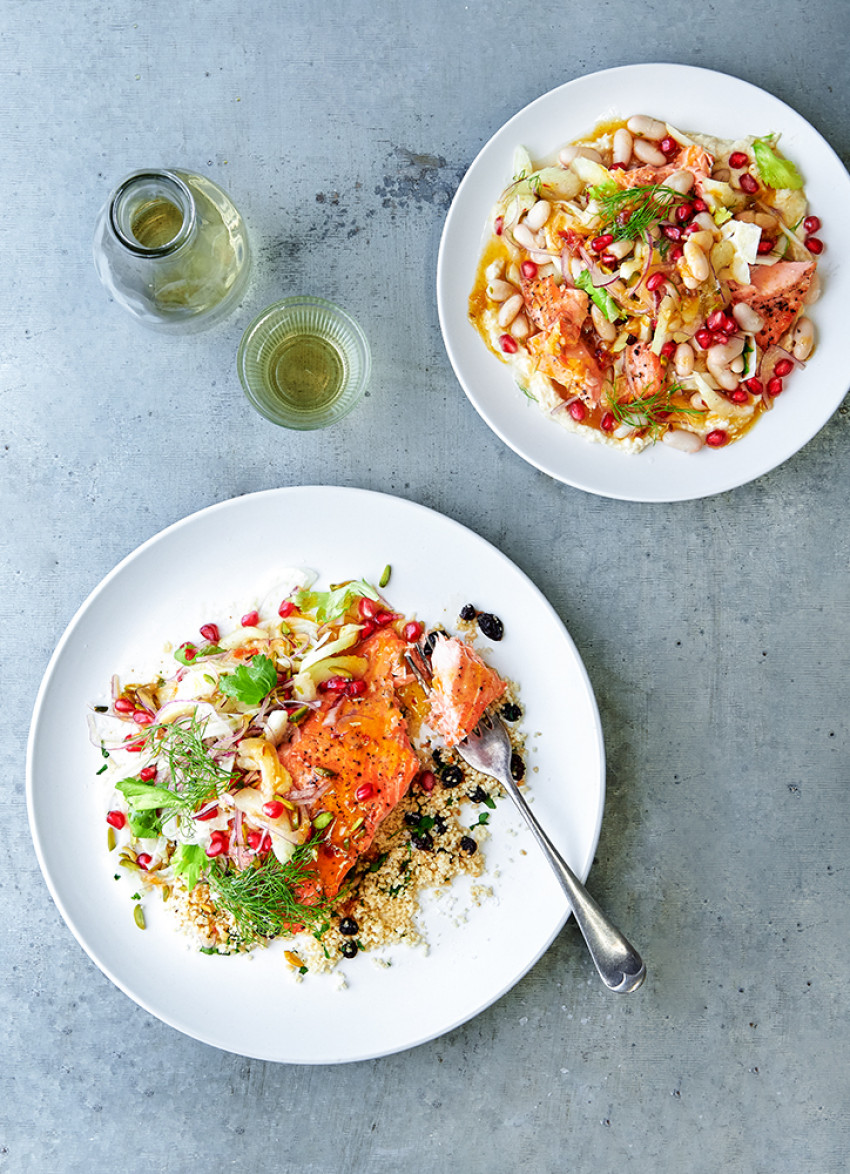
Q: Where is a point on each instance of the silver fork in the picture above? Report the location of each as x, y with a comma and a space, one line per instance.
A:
488, 749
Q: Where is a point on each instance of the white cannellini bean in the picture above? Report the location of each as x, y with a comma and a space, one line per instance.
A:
737, 365
706, 222
647, 128
722, 375
606, 330
538, 215
723, 354
500, 291
683, 359
525, 237
696, 261
510, 309
683, 441
813, 292
620, 249
804, 339
747, 318
540, 257
680, 181
765, 220
690, 282
648, 153
494, 269
622, 146
519, 327
573, 151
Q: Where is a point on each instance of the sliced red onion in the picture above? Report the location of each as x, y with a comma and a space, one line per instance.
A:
599, 279
566, 257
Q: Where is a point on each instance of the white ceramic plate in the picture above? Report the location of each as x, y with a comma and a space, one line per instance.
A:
229, 554
693, 99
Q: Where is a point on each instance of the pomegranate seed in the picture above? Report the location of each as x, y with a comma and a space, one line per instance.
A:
672, 232
210, 633
116, 819
142, 718
676, 253
144, 860
189, 650
715, 320
367, 607
147, 774
413, 631
655, 280
600, 243
133, 747
748, 183
774, 386
814, 245
367, 628
699, 206
577, 410
623, 218
254, 840
684, 212
250, 619
691, 229
274, 809
216, 845
718, 338
508, 344
365, 792
668, 145
717, 438
669, 348
382, 618
427, 780
766, 245
608, 422
498, 225
738, 159
755, 386
286, 609
205, 815
783, 367
617, 167
529, 270
122, 705
334, 685
738, 396
811, 224
703, 337
609, 259
355, 688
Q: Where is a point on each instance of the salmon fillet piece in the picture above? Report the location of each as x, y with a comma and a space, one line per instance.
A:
365, 745
462, 686
548, 304
776, 292
573, 366
645, 372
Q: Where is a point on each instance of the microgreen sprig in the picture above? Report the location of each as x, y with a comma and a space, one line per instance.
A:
627, 213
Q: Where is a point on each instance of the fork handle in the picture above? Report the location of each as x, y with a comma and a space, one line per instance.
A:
620, 966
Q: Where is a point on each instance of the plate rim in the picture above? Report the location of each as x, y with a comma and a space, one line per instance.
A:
450, 330
47, 870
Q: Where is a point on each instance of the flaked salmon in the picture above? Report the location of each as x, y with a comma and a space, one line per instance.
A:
462, 686
777, 293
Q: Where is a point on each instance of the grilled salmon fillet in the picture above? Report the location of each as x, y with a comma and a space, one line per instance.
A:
776, 292
362, 748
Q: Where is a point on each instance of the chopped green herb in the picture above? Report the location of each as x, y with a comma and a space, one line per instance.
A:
298, 714
208, 950
250, 683
102, 769
599, 296
101, 709
652, 412
189, 861
773, 169
333, 604
376, 864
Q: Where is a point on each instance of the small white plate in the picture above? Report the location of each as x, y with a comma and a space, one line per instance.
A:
698, 100
226, 556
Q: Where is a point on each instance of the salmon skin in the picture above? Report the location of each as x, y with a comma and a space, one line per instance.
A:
549, 304
645, 372
462, 686
776, 293
361, 747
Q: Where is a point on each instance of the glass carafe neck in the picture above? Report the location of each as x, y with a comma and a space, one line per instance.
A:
152, 213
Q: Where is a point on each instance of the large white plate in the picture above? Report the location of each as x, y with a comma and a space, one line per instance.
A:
228, 554
693, 99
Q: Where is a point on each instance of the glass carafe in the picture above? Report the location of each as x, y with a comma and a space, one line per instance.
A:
171, 247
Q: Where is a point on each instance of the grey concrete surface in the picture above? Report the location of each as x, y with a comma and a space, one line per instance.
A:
715, 632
